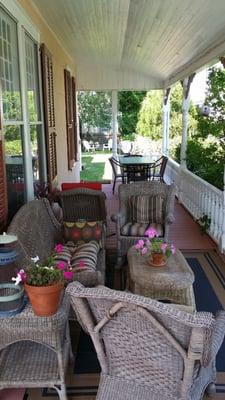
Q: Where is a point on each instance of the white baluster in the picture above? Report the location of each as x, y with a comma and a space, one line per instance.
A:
222, 237
216, 218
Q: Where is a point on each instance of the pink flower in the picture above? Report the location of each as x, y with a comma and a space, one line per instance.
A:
60, 265
68, 275
139, 244
144, 251
173, 249
163, 247
58, 248
151, 233
81, 264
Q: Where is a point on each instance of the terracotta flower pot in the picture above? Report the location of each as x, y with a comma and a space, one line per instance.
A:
44, 299
158, 258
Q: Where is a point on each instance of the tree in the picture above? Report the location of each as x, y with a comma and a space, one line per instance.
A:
214, 124
95, 109
129, 104
150, 117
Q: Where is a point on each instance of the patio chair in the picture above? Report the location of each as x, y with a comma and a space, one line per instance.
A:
142, 204
157, 170
147, 349
119, 173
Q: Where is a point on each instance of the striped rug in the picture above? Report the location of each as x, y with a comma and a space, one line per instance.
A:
82, 378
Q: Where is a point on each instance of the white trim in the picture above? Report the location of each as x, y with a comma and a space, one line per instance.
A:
26, 139
18, 14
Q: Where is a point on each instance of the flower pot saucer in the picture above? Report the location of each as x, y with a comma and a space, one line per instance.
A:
151, 264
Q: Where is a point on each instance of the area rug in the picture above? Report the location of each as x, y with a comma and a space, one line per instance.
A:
83, 377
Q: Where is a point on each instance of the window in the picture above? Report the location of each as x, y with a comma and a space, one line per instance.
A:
22, 117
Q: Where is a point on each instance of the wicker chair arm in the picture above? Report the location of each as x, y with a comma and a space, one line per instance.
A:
119, 218
169, 218
89, 278
218, 333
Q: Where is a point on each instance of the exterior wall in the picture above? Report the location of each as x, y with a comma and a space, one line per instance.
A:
61, 60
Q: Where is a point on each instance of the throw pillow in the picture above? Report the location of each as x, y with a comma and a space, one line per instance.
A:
85, 257
83, 231
145, 209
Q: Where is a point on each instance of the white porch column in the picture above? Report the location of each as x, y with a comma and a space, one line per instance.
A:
114, 122
185, 108
166, 122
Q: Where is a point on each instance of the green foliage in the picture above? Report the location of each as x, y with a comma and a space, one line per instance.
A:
150, 116
95, 109
204, 223
41, 276
215, 98
13, 147
204, 159
129, 104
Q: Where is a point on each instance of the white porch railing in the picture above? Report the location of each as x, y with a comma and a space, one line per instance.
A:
199, 198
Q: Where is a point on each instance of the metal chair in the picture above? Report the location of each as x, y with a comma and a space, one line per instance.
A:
119, 172
147, 349
157, 169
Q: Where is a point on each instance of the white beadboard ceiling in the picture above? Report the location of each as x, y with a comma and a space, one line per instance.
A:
136, 44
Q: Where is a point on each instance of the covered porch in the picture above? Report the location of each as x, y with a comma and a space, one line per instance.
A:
105, 45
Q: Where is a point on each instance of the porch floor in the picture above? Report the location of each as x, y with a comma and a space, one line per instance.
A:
184, 233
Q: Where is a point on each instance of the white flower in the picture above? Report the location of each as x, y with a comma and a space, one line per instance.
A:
35, 259
17, 280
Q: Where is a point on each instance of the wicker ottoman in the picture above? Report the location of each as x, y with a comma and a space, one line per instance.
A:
172, 282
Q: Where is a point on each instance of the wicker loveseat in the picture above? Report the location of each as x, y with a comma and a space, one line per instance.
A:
38, 230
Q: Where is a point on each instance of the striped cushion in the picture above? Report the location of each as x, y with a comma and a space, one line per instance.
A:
145, 209
64, 254
137, 229
85, 257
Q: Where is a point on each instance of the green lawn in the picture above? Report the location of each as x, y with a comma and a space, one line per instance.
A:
92, 171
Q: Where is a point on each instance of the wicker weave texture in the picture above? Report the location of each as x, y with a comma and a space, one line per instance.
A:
147, 349
38, 231
83, 203
172, 282
34, 351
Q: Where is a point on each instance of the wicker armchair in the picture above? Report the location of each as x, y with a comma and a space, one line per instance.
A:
38, 231
146, 349
153, 188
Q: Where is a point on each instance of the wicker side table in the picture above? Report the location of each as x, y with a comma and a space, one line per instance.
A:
34, 351
172, 282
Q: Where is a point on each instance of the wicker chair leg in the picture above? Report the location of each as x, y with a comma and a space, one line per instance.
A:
119, 262
61, 391
114, 183
211, 389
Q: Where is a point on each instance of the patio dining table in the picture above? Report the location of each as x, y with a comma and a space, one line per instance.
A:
137, 167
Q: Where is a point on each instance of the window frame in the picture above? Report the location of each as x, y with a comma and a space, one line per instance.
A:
25, 26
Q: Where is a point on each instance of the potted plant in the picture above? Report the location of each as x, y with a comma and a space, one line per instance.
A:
156, 249
44, 282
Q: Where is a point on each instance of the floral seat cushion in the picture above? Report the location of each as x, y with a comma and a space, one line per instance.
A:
139, 229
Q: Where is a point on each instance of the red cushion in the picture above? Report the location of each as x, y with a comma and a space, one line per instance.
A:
75, 185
